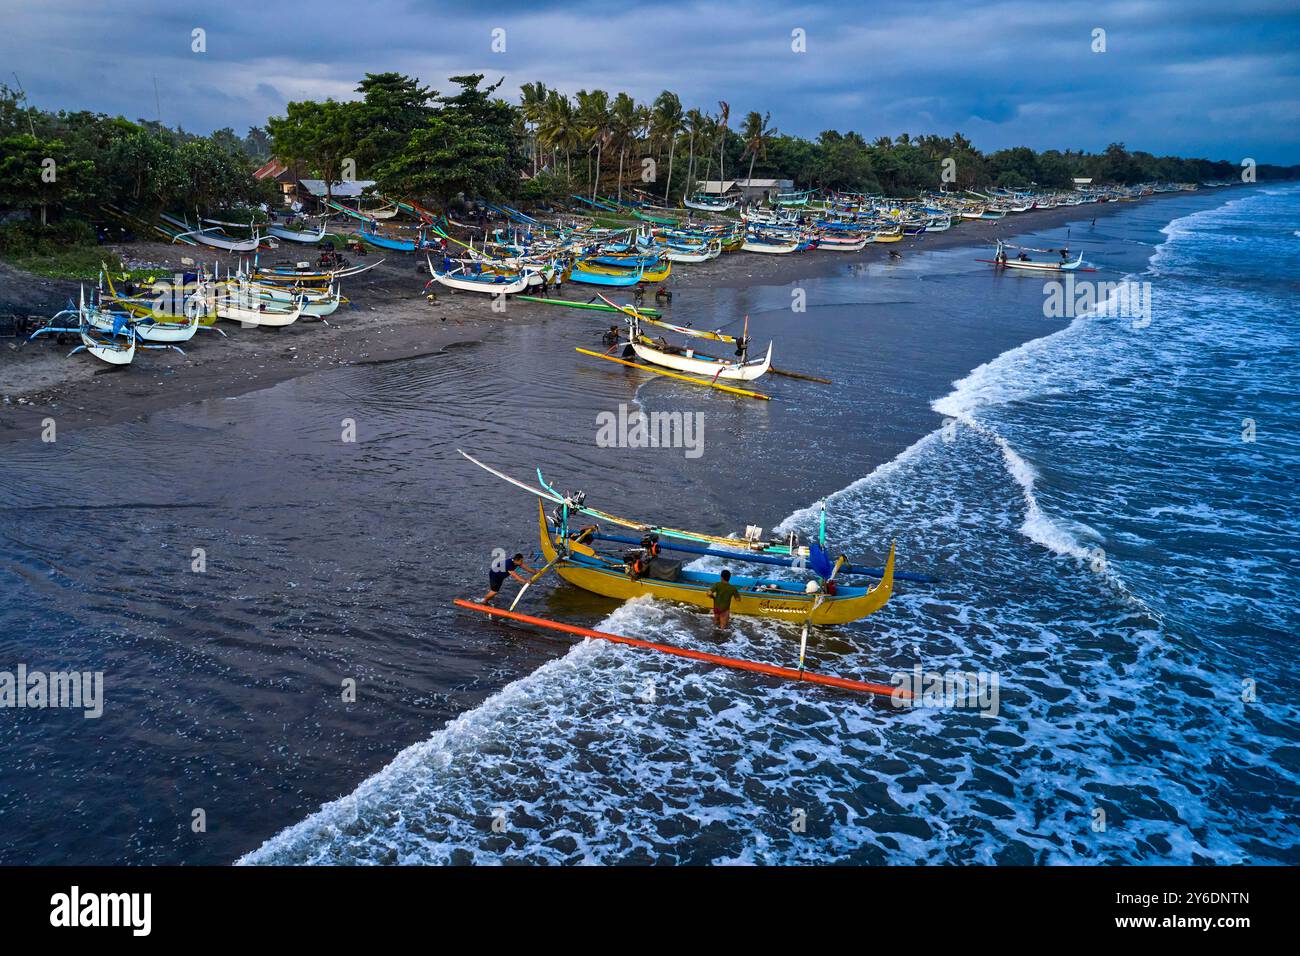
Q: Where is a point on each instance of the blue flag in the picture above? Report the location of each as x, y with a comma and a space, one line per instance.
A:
821, 563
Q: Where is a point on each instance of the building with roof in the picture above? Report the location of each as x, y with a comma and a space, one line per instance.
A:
748, 190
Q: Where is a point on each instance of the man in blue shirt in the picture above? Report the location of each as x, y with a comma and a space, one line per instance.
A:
497, 577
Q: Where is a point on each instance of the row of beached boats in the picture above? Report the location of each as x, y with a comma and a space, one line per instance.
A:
528, 253
114, 325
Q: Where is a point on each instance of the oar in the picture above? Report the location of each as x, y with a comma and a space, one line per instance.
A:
528, 583
807, 378
817, 602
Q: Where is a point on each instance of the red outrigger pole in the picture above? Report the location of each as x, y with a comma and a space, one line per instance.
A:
771, 670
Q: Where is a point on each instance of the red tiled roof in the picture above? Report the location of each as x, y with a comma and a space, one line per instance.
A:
272, 168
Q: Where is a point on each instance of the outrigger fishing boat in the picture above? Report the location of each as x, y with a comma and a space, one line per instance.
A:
111, 337
742, 369
296, 235
1025, 264
568, 534
464, 279
709, 203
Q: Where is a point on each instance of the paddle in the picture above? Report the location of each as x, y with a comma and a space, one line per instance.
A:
529, 582
817, 602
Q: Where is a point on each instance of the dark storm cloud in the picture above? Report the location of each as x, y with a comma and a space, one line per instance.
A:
1185, 78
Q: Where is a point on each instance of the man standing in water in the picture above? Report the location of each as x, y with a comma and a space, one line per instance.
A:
497, 574
722, 592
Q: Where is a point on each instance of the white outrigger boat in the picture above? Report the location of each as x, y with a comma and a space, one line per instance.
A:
493, 283
217, 240
294, 235
247, 309
110, 337
688, 254
706, 204
689, 360
1023, 263
317, 303
755, 244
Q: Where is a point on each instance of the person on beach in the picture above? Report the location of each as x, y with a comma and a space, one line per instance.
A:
722, 592
496, 577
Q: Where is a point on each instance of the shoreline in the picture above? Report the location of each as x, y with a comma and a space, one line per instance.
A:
381, 325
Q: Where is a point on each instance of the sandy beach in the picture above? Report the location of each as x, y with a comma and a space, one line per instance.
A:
389, 318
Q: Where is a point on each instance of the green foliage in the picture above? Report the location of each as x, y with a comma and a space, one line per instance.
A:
469, 145
547, 186
63, 250
319, 136
38, 175
392, 107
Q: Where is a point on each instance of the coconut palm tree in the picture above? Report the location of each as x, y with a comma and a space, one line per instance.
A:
757, 134
626, 122
533, 97
696, 121
594, 114
667, 122
724, 114
560, 128
712, 126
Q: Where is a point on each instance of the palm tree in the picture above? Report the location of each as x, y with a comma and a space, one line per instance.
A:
626, 121
696, 121
534, 98
560, 129
757, 134
666, 123
593, 109
724, 114
710, 135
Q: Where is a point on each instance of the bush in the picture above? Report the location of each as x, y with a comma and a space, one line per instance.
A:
65, 249
19, 239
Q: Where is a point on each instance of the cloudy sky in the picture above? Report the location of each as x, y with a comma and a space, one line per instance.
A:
1176, 77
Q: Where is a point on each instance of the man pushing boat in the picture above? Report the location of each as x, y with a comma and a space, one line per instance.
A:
498, 572
722, 592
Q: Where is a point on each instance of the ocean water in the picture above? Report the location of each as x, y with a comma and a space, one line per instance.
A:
1114, 542
1106, 542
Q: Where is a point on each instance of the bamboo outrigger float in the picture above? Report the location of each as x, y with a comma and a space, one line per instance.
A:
734, 663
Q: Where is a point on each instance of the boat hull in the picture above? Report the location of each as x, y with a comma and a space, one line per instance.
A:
797, 607
708, 367
464, 284
600, 278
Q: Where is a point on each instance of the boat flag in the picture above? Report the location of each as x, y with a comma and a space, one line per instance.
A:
821, 563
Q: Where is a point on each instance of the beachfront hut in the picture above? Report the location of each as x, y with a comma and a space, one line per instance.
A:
748, 190
348, 192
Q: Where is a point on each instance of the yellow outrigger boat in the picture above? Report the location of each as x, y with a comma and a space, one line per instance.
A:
567, 550
583, 566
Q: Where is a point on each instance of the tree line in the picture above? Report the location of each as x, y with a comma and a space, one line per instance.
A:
417, 142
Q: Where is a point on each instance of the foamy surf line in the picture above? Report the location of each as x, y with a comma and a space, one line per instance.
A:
997, 383
464, 733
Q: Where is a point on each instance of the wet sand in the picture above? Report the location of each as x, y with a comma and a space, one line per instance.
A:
388, 319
